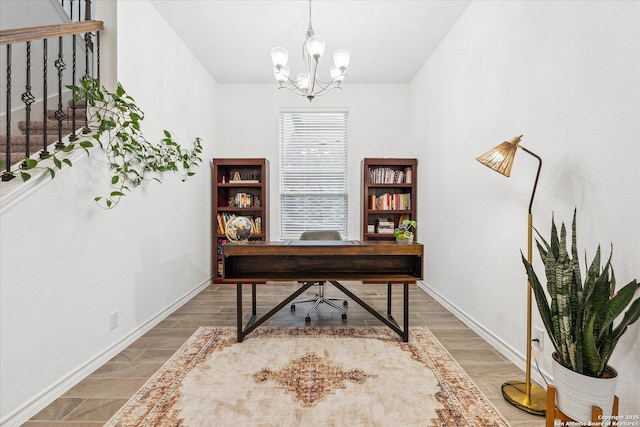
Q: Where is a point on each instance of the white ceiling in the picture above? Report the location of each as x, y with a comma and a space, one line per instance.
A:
389, 40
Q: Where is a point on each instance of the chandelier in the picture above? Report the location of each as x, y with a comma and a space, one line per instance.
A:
308, 83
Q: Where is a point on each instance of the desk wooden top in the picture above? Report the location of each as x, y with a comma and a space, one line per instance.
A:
312, 260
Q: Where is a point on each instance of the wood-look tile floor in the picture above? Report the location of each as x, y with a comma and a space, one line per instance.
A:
95, 399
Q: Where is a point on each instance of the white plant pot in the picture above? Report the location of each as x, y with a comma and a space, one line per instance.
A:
405, 241
577, 393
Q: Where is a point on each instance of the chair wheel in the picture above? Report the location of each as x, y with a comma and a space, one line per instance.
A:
344, 303
307, 319
293, 307
344, 316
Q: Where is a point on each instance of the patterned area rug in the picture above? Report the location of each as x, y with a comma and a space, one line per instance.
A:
340, 376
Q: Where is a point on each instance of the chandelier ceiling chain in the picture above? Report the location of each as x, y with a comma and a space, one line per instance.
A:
307, 83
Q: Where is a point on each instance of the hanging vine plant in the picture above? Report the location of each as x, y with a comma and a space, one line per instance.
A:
114, 119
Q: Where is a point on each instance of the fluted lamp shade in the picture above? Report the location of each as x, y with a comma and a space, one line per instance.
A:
500, 158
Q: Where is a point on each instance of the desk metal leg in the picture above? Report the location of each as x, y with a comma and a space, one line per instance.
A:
239, 309
253, 299
389, 320
405, 337
254, 322
388, 299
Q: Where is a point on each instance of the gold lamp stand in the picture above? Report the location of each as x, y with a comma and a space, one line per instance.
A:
523, 395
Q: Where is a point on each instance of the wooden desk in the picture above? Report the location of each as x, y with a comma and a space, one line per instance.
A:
311, 261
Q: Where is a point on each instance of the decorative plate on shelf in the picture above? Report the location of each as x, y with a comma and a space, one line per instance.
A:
239, 229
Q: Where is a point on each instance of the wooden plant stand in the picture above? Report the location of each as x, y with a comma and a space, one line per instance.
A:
553, 413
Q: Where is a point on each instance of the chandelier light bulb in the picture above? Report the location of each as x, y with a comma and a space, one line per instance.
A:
281, 73
341, 58
315, 46
303, 81
279, 56
336, 74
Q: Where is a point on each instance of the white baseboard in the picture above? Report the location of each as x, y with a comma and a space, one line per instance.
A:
38, 403
503, 348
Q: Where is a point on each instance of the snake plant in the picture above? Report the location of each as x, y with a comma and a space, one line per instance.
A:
579, 316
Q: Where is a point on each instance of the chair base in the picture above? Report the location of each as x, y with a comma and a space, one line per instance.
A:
320, 299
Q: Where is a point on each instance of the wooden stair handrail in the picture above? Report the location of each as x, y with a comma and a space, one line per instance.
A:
48, 31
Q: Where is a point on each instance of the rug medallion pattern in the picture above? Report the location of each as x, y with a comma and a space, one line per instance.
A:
329, 376
311, 378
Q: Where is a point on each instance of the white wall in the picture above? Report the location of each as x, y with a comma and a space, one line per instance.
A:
247, 126
66, 265
565, 74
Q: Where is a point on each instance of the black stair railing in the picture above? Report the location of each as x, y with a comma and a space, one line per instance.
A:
78, 10
17, 149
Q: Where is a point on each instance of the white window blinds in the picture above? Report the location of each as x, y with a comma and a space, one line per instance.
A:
313, 172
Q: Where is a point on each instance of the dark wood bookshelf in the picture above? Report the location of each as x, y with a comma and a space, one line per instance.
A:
388, 192
253, 174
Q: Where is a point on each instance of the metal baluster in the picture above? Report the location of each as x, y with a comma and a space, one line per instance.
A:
28, 99
59, 114
6, 176
87, 43
44, 153
87, 46
87, 10
73, 135
98, 54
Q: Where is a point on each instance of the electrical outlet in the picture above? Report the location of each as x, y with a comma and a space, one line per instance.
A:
538, 338
113, 320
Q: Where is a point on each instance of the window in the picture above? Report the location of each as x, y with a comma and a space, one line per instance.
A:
313, 172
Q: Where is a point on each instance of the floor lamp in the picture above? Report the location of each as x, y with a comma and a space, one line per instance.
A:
525, 396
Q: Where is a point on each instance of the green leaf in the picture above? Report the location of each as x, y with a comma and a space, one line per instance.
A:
117, 194
68, 148
543, 303
57, 162
114, 179
52, 173
29, 164
630, 316
25, 176
67, 161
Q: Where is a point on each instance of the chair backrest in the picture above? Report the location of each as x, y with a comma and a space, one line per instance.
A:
321, 235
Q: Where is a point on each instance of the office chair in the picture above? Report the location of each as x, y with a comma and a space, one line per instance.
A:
319, 297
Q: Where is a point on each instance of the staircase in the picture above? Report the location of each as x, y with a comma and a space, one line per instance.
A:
63, 52
35, 129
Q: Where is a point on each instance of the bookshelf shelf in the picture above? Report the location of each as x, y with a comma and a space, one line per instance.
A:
388, 193
246, 197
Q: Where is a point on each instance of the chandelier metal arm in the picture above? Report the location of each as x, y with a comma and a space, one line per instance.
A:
293, 87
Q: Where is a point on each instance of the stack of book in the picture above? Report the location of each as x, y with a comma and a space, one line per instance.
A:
384, 226
390, 201
387, 175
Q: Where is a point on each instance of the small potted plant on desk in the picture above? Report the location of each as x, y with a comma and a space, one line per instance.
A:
404, 233
579, 317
